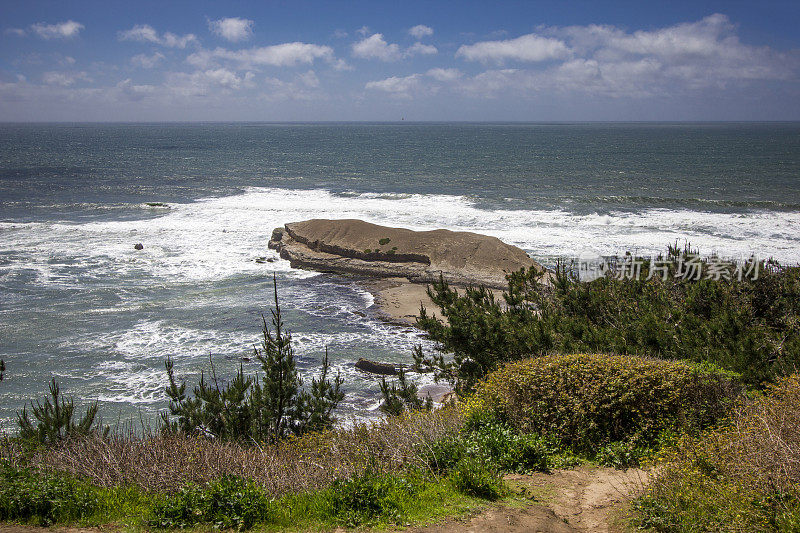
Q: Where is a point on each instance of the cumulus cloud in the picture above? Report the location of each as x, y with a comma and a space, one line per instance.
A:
62, 30
421, 49
147, 61
606, 60
420, 30
309, 79
279, 55
233, 29
529, 47
144, 33
64, 79
396, 86
19, 32
207, 81
375, 47
444, 74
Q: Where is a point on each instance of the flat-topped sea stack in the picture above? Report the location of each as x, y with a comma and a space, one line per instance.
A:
358, 247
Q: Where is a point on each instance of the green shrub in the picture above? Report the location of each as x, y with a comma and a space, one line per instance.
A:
228, 503
751, 326
474, 477
44, 499
492, 441
384, 241
368, 497
587, 402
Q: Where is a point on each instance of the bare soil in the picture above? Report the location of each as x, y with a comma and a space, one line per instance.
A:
565, 501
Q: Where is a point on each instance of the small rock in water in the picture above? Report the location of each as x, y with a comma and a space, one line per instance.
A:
138, 246
386, 369
261, 259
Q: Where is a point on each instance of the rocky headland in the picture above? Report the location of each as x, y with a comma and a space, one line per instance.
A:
398, 262
358, 247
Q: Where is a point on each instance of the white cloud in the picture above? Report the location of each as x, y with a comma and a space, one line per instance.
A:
529, 47
279, 55
62, 30
396, 86
64, 79
375, 47
145, 33
19, 32
444, 74
135, 92
608, 61
207, 82
420, 30
421, 49
233, 29
363, 31
340, 34
309, 79
147, 61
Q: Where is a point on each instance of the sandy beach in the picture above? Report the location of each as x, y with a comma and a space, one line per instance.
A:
398, 300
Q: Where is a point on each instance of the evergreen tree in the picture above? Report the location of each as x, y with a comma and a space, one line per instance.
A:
750, 325
401, 396
268, 407
55, 420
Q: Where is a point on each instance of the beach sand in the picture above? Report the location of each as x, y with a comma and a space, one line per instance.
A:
398, 300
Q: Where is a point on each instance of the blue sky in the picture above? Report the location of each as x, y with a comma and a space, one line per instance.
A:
313, 60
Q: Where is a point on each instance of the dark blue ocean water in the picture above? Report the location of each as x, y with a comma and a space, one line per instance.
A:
79, 303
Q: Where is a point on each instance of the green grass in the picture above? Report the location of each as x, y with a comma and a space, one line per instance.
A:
367, 500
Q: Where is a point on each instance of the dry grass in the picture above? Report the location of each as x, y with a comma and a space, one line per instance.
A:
744, 476
762, 444
166, 462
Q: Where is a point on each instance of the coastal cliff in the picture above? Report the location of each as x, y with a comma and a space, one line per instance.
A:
355, 246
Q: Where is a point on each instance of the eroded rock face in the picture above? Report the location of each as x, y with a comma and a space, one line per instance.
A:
355, 246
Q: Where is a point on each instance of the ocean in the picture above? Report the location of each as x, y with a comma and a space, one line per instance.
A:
79, 303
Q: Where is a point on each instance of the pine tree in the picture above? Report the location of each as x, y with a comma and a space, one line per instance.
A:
402, 395
268, 407
55, 419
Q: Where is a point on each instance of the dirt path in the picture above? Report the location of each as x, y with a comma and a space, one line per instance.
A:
582, 499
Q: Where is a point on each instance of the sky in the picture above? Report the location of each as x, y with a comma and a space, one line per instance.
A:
399, 60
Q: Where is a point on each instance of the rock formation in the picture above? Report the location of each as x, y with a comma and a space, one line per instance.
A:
355, 246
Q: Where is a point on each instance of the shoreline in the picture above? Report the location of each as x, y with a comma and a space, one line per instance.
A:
397, 300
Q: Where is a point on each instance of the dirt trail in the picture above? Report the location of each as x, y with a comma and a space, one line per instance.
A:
582, 499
